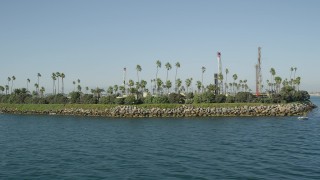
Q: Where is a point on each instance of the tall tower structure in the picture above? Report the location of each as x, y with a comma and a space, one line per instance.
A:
124, 78
258, 74
220, 71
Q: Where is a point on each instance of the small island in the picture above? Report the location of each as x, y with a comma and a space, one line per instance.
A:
134, 99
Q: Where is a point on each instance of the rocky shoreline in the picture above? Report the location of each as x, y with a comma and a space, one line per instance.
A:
292, 109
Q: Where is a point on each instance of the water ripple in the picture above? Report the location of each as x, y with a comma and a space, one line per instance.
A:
57, 147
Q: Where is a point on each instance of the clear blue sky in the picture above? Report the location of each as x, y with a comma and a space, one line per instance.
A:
93, 40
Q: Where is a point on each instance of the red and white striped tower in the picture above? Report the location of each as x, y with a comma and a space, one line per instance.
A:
258, 74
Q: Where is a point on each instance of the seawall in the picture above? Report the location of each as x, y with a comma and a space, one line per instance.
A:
292, 109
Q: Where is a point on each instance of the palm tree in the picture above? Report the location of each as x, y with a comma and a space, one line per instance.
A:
199, 85
268, 83
294, 75
143, 85
273, 73
138, 86
28, 81
188, 83
151, 85
131, 84
13, 78
9, 79
212, 88
175, 78
110, 90
297, 81
203, 69
2, 89
168, 85
278, 83
246, 87
38, 75
168, 67
235, 77
74, 85
58, 75
291, 70
158, 66
53, 76
116, 88
87, 89
97, 92
42, 91
79, 88
178, 84
138, 68
240, 83
62, 75
220, 78
7, 89
37, 87
226, 84
159, 85
122, 89
245, 84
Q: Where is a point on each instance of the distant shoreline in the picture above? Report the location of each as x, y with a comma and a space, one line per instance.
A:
245, 109
315, 95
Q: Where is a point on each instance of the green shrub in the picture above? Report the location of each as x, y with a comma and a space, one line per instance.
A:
160, 99
197, 98
57, 99
208, 97
301, 96
230, 99
189, 95
189, 101
244, 97
220, 98
176, 98
148, 99
89, 99
287, 93
119, 100
131, 99
75, 97
110, 99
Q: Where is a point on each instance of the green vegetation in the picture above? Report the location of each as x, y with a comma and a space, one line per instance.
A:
286, 95
159, 93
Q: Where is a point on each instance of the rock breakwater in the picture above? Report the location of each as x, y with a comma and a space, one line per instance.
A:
292, 109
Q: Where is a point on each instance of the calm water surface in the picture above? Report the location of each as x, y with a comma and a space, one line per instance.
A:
67, 147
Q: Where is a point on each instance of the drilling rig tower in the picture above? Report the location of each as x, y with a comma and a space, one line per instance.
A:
258, 74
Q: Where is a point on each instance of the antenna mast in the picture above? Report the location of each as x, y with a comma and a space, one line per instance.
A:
220, 71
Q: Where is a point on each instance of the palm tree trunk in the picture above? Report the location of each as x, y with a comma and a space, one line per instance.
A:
202, 82
226, 85
167, 75
38, 86
175, 81
11, 85
138, 76
157, 78
62, 86
58, 84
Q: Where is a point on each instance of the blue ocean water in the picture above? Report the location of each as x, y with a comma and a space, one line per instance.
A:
68, 147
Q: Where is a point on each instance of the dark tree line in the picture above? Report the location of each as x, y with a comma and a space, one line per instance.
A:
286, 95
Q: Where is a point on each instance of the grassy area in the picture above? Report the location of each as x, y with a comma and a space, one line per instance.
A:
47, 107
